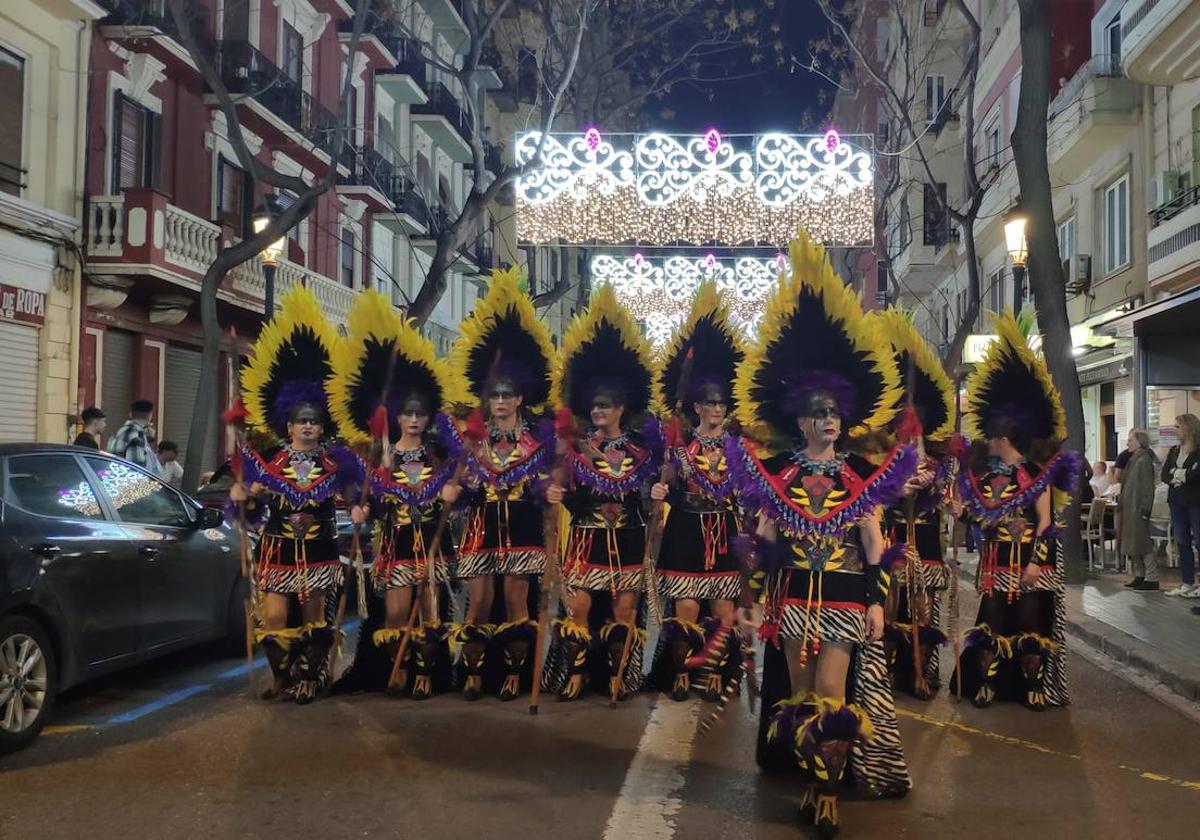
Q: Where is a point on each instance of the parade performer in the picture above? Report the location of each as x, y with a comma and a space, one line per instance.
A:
409, 480
606, 379
1016, 481
506, 355
820, 381
297, 480
915, 605
697, 563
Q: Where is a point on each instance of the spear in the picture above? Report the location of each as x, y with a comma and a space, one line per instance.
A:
910, 431
952, 589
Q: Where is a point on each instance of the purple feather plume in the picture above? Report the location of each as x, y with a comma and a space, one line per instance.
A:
840, 724
292, 393
894, 554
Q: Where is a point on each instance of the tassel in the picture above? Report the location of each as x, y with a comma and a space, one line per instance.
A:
236, 414
476, 428
909, 427
378, 424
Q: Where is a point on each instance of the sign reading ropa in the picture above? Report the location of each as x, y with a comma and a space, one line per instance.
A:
25, 305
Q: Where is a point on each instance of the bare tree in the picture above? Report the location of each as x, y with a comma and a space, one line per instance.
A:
242, 251
1029, 145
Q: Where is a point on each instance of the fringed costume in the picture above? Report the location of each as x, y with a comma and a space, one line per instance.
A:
697, 562
503, 525
1015, 650
406, 480
298, 551
605, 360
916, 602
816, 356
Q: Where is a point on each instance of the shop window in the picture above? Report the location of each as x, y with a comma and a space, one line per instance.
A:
136, 145
12, 128
232, 199
1116, 225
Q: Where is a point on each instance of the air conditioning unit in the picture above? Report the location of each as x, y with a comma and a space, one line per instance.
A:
1078, 273
1167, 185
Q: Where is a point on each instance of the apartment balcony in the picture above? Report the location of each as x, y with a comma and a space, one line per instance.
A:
407, 82
444, 120
140, 234
278, 99
447, 17
919, 266
394, 200
1091, 114
1160, 40
151, 20
487, 73
1173, 256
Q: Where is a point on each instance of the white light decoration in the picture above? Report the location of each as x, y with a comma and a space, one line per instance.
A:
664, 189
658, 291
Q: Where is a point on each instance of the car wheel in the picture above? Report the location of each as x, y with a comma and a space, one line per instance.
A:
234, 643
28, 681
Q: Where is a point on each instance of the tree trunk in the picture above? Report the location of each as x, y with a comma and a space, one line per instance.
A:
1045, 270
206, 391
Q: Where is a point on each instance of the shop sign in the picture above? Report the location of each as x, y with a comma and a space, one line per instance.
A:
1107, 372
25, 305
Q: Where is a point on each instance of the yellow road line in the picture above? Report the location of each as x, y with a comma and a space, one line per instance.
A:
1036, 747
66, 729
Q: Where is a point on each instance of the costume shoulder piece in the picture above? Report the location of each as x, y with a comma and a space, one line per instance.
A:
705, 351
923, 381
503, 337
501, 462
621, 467
813, 338
382, 362
303, 478
292, 359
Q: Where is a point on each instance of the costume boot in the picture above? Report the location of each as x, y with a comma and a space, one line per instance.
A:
388, 640
315, 646
823, 743
473, 639
623, 678
715, 668
277, 646
1033, 652
574, 643
429, 650
515, 639
680, 640
982, 655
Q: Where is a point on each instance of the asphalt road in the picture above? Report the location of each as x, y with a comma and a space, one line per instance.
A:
178, 749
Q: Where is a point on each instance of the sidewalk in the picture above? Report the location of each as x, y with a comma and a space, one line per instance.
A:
1154, 635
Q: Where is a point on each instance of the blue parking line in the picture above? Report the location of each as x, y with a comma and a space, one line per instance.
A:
161, 703
241, 670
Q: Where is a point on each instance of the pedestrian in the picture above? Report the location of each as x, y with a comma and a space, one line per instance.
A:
410, 482
168, 458
295, 484
1135, 504
817, 384
925, 420
697, 567
1016, 481
506, 355
1099, 480
134, 440
94, 422
1181, 472
606, 380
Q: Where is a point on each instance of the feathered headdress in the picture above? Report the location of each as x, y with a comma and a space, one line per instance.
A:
291, 361
603, 347
380, 340
714, 347
503, 338
1012, 384
932, 389
813, 339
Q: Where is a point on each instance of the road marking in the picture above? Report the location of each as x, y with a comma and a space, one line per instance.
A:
648, 802
161, 703
67, 728
942, 723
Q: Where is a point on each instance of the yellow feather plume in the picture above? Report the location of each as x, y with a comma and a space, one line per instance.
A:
810, 268
299, 312
504, 295
903, 336
707, 303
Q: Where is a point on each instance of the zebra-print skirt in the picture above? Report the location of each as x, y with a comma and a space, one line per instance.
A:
699, 586
529, 560
399, 574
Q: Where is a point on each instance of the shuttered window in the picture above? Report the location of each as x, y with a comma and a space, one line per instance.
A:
116, 382
136, 145
231, 197
182, 381
18, 382
12, 98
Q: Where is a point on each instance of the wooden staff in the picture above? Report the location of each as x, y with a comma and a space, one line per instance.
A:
952, 588
235, 416
910, 427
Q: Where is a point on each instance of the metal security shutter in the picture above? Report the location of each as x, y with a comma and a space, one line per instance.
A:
116, 383
179, 400
18, 382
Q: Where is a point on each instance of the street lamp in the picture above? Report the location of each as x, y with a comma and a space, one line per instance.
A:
1018, 252
270, 255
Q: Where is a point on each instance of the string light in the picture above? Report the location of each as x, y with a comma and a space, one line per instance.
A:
664, 189
659, 291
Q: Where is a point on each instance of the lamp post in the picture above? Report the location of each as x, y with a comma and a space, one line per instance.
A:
1018, 253
270, 257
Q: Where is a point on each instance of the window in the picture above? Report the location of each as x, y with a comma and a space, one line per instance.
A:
135, 147
1116, 225
350, 115
231, 197
935, 96
285, 200
292, 53
51, 485
347, 251
991, 143
1112, 41
946, 322
138, 497
527, 75
995, 290
936, 221
12, 127
963, 303
1066, 240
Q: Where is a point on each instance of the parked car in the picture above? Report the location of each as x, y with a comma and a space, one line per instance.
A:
102, 566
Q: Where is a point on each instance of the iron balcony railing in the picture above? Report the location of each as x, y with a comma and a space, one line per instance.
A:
156, 14
442, 102
1171, 209
371, 169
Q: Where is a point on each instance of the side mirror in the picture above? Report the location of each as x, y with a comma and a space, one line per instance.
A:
210, 518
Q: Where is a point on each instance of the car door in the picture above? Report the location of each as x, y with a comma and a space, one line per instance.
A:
184, 583
89, 569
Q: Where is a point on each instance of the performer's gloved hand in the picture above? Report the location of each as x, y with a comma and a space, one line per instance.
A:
659, 491
358, 514
875, 622
450, 492
1030, 575
554, 494
237, 493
